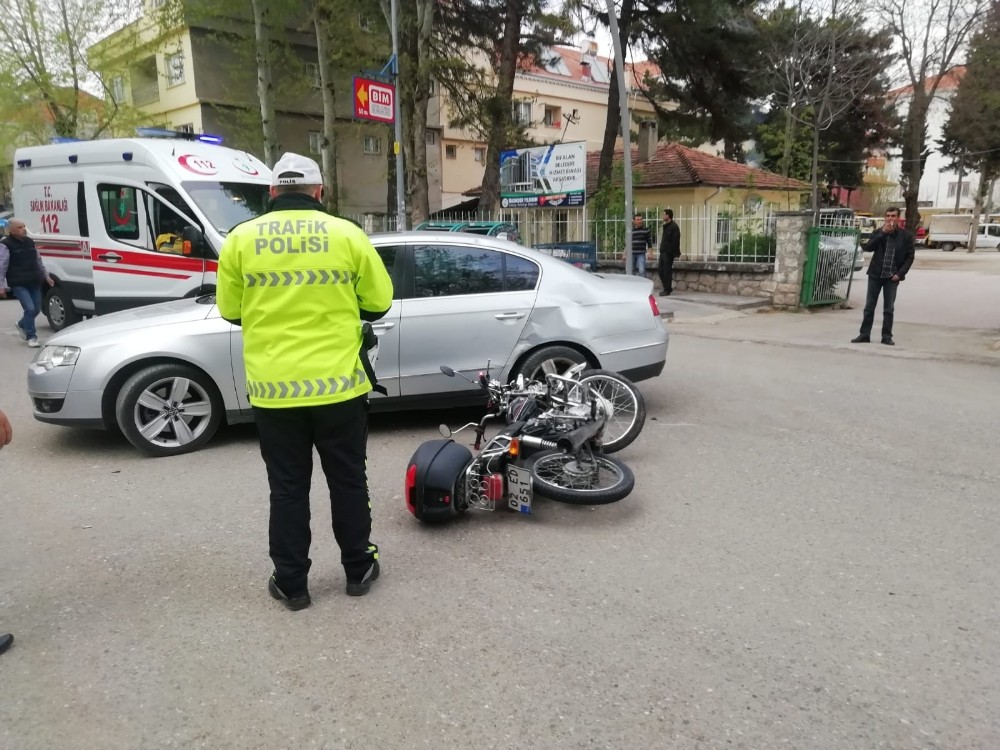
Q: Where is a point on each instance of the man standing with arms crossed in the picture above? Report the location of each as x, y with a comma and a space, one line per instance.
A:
893, 255
6, 435
300, 282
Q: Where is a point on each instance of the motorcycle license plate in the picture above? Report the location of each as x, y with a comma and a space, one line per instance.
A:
518, 489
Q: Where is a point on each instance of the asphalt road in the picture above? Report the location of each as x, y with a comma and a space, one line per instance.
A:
809, 560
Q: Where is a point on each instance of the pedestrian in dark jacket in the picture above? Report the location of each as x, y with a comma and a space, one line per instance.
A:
670, 249
892, 248
22, 270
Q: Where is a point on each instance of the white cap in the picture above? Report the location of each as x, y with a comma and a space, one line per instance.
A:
293, 169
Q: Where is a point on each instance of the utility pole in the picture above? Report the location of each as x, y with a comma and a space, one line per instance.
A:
397, 117
626, 140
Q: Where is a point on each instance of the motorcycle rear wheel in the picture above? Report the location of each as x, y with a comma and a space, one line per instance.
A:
580, 479
627, 403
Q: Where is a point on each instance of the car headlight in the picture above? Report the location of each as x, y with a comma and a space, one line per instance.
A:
57, 356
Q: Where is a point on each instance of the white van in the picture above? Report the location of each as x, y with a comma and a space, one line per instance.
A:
107, 217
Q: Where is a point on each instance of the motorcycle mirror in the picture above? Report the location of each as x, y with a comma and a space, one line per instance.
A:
447, 371
445, 430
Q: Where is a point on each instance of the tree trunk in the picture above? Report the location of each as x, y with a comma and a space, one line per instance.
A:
499, 106
265, 88
981, 191
914, 155
331, 193
417, 163
612, 125
815, 175
786, 157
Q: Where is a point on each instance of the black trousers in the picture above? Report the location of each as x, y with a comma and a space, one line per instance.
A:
340, 434
888, 288
665, 269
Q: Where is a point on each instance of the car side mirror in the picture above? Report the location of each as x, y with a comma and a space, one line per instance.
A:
192, 241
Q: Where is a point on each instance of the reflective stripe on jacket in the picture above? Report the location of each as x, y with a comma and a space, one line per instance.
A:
297, 280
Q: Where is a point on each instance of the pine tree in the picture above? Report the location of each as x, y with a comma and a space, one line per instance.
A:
971, 136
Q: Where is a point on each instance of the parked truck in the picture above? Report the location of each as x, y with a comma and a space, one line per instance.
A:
948, 231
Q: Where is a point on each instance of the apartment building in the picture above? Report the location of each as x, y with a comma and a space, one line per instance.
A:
195, 75
562, 97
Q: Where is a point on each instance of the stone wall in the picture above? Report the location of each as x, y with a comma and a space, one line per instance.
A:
781, 282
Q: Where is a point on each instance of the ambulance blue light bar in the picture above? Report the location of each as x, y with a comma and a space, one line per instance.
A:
179, 135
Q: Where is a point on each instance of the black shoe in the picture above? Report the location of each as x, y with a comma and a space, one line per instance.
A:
664, 294
294, 602
887, 340
861, 340
360, 588
6, 641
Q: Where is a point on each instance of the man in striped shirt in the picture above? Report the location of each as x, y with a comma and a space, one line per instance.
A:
642, 241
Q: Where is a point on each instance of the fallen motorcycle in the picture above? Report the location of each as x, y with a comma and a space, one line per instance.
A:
552, 445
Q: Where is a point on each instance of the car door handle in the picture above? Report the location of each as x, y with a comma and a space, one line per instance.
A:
509, 316
109, 257
382, 326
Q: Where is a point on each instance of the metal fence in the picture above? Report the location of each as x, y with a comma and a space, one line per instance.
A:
831, 257
723, 233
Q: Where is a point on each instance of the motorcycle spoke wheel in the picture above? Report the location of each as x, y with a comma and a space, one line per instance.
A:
580, 479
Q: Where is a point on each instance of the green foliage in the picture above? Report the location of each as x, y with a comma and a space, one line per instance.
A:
749, 248
971, 136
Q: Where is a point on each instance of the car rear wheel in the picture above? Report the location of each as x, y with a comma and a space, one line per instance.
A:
549, 360
948, 246
166, 410
58, 309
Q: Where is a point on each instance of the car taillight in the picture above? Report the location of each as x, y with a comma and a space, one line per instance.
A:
653, 306
410, 488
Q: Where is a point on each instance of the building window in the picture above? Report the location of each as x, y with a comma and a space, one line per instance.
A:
372, 145
315, 142
432, 87
451, 152
953, 189
364, 23
480, 153
431, 137
553, 117
520, 113
187, 127
157, 3
118, 89
175, 68
312, 73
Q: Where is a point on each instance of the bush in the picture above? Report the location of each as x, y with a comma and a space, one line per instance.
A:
749, 248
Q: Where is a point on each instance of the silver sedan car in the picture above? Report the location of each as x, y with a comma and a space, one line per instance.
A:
167, 375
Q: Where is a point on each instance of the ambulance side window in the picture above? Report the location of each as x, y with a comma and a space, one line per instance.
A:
120, 211
166, 226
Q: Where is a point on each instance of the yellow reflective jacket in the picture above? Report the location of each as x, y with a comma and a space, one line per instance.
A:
297, 279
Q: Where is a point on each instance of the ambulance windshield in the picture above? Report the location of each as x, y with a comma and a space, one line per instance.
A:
226, 204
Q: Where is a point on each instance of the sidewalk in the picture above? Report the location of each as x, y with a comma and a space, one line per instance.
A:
731, 319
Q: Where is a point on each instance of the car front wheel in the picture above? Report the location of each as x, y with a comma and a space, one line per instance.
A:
168, 409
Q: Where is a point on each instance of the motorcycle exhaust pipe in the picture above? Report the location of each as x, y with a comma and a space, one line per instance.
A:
537, 443
571, 442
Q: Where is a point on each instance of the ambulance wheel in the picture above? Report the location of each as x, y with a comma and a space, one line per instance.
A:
58, 308
168, 409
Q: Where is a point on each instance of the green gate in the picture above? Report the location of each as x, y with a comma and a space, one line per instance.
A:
831, 255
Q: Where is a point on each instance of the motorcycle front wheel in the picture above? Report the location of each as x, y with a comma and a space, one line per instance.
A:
628, 408
580, 479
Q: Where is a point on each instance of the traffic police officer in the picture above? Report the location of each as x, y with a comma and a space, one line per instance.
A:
300, 282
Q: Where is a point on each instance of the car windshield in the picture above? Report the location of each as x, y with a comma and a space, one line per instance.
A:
226, 204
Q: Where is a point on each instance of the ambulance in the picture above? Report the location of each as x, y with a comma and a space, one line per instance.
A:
108, 217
